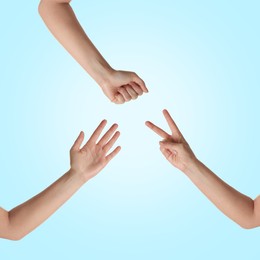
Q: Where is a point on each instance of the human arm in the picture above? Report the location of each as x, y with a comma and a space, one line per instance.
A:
235, 205
118, 86
86, 162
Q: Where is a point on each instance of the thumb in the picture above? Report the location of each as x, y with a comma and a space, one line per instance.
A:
168, 154
118, 99
78, 142
169, 145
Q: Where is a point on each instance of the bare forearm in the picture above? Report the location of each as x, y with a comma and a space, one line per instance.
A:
240, 208
232, 203
86, 161
62, 22
29, 215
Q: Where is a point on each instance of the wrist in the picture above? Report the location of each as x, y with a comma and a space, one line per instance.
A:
193, 167
78, 176
103, 74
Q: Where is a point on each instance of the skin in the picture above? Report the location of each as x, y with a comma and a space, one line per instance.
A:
86, 162
235, 205
118, 86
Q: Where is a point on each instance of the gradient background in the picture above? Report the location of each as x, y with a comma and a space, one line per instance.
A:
200, 59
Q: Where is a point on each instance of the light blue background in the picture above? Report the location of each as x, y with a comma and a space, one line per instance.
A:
200, 59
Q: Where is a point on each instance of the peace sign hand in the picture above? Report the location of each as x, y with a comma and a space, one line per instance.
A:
174, 147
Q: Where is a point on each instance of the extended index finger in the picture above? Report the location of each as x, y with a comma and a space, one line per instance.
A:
157, 130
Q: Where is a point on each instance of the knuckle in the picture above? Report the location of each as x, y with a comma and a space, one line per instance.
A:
135, 76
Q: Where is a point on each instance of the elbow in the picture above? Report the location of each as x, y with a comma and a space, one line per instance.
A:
13, 227
245, 226
248, 225
14, 232
44, 3
14, 237
41, 7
